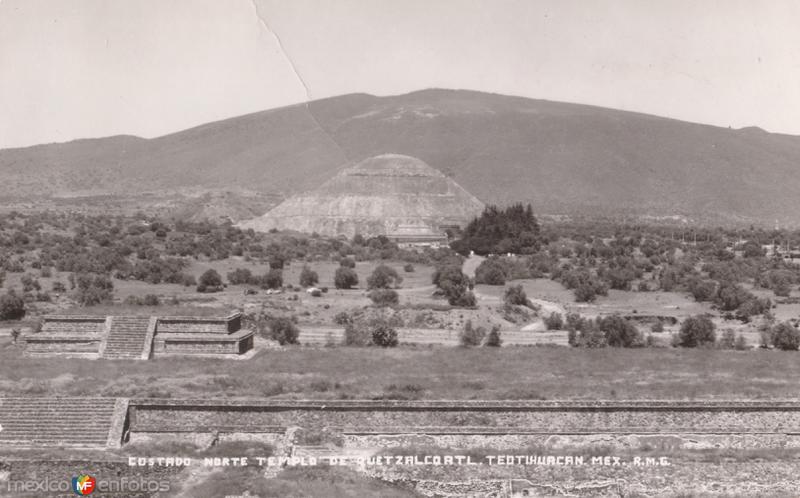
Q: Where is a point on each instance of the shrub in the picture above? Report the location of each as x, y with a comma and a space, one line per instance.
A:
554, 321
384, 336
493, 339
356, 335
43, 297
515, 295
347, 263
59, 286
151, 300
657, 327
619, 332
454, 285
345, 278
276, 262
93, 290
592, 337
585, 293
273, 279
696, 331
466, 300
284, 330
30, 283
383, 277
491, 271
384, 297
472, 336
240, 276
210, 279
12, 306
408, 268
342, 318
786, 337
308, 277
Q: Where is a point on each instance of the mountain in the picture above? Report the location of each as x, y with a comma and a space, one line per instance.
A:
381, 195
562, 158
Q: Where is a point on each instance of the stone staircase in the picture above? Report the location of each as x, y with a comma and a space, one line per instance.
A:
126, 338
45, 421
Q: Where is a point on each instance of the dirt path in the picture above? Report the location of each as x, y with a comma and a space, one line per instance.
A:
471, 264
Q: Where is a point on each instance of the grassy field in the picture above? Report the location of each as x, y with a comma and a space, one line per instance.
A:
419, 373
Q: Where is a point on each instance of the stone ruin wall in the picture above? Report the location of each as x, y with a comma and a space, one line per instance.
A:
457, 425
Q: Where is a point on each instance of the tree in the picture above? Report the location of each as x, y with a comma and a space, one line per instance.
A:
276, 262
93, 290
384, 335
554, 321
497, 231
454, 285
345, 278
383, 277
697, 331
240, 276
491, 271
515, 295
384, 297
308, 277
273, 279
284, 330
619, 332
786, 337
210, 281
472, 336
493, 339
12, 306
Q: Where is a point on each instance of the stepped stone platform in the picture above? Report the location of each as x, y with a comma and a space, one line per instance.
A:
66, 334
68, 422
199, 335
138, 337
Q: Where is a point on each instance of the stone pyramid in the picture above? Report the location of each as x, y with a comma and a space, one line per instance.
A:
375, 197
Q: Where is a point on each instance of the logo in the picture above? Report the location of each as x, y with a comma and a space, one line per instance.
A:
83, 484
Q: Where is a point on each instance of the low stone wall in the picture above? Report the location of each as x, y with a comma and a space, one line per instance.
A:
198, 325
659, 442
73, 325
236, 343
61, 343
540, 419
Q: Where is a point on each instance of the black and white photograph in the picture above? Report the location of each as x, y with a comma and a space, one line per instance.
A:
399, 248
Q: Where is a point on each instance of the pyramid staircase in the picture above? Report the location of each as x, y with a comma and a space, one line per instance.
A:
126, 339
44, 421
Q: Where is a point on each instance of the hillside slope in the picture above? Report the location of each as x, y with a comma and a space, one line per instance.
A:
563, 158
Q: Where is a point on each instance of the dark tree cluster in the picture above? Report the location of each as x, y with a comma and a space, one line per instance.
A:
500, 231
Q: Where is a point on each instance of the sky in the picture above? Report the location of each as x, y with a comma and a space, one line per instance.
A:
90, 68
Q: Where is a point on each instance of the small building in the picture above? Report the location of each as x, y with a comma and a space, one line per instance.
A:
417, 235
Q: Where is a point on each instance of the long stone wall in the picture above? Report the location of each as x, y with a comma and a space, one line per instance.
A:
370, 422
319, 335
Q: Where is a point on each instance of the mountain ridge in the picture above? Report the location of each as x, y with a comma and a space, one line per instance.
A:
560, 157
